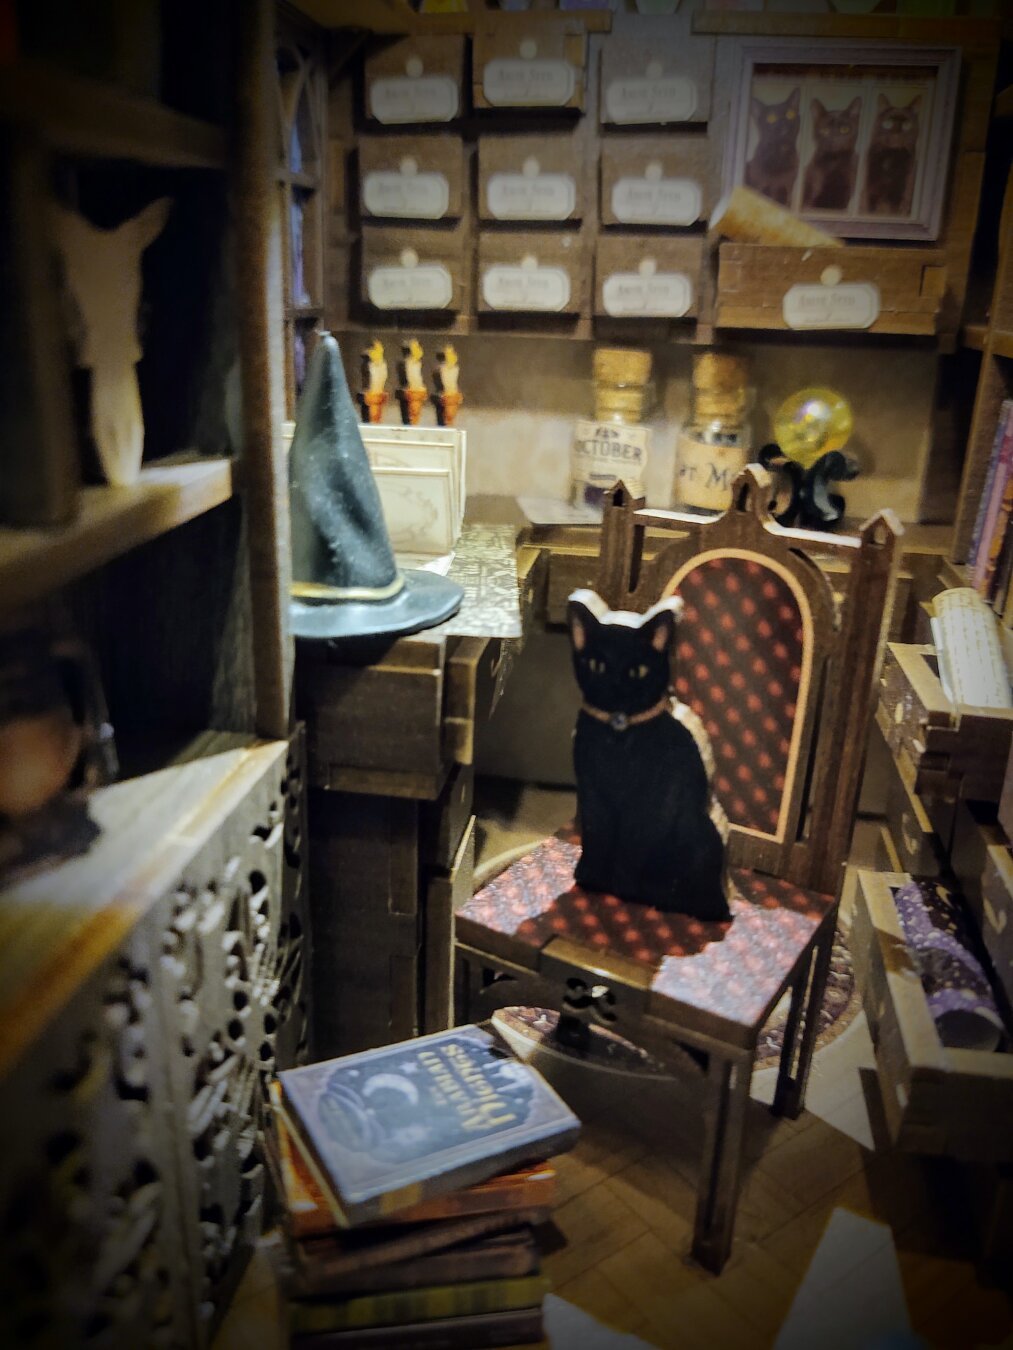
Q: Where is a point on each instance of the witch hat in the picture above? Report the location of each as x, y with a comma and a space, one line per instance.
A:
345, 581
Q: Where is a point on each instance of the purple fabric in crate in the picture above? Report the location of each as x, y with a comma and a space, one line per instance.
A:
956, 986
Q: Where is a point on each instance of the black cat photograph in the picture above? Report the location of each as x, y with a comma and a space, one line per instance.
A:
652, 832
831, 171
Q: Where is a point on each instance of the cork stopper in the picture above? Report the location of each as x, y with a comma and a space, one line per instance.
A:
621, 365
719, 371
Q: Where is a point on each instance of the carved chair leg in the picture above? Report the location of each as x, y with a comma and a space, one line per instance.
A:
718, 1193
797, 1051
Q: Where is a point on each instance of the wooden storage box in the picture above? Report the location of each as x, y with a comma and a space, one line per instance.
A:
532, 274
955, 752
411, 177
656, 84
530, 178
659, 180
415, 80
916, 844
981, 863
861, 287
647, 276
534, 62
936, 1100
404, 270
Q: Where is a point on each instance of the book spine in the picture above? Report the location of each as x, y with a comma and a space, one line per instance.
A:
536, 1191
523, 1327
998, 538
986, 491
493, 1262
989, 544
419, 1305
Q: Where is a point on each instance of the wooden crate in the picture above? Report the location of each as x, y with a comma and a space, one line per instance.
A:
981, 862
393, 168
419, 79
918, 847
660, 77
408, 268
755, 279
938, 1101
955, 752
535, 62
531, 178
526, 272
664, 181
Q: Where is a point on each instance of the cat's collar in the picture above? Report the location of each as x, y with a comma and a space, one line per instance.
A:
620, 721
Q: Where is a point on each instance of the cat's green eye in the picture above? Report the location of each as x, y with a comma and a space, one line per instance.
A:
596, 666
771, 117
638, 672
790, 116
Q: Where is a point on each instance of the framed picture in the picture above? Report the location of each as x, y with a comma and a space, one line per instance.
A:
854, 137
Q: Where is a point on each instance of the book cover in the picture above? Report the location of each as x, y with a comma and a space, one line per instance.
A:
986, 491
992, 553
388, 1128
308, 1213
1003, 468
498, 1256
481, 1332
397, 1307
368, 1248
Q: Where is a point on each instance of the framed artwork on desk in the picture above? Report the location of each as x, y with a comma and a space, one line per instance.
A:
853, 137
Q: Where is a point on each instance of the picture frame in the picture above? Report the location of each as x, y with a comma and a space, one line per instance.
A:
853, 137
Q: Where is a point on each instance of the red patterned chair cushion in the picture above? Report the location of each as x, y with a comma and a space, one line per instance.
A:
738, 666
732, 970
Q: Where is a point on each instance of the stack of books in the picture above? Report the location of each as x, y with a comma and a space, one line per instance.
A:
990, 556
413, 1179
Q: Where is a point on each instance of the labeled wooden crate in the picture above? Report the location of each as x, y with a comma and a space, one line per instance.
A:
917, 846
411, 177
647, 276
981, 863
956, 751
958, 1103
664, 181
405, 270
530, 61
528, 273
417, 80
860, 288
530, 178
659, 83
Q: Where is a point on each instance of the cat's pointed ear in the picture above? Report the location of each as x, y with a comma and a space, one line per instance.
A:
580, 618
817, 110
794, 99
882, 103
855, 105
913, 106
659, 622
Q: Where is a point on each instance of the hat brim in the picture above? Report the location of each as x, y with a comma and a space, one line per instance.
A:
425, 599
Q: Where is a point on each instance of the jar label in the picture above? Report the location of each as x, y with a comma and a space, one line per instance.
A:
512, 82
409, 196
521, 196
660, 201
639, 98
425, 286
545, 289
604, 452
852, 304
424, 98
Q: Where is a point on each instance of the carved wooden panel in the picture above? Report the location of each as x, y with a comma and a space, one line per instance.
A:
131, 1169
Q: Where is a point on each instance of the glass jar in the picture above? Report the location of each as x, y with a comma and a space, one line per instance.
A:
716, 441
615, 444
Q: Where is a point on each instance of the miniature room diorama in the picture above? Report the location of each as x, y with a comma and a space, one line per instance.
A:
506, 634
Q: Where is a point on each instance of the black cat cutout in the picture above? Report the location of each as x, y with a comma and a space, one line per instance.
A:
651, 830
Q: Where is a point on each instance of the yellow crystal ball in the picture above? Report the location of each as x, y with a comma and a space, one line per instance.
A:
811, 423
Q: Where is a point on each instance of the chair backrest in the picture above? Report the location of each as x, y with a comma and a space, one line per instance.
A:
780, 664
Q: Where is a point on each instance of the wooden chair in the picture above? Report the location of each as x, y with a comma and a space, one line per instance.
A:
780, 660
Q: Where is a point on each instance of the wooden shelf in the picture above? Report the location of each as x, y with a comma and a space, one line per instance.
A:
889, 27
303, 311
1001, 343
86, 117
396, 16
57, 927
111, 521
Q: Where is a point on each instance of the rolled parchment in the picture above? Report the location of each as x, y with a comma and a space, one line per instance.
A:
956, 985
749, 218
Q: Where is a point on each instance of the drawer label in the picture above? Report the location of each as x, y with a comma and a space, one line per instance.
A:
647, 295
424, 286
850, 304
513, 82
657, 201
647, 99
526, 287
409, 196
421, 98
524, 196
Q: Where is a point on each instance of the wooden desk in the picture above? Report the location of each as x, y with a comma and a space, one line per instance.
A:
391, 738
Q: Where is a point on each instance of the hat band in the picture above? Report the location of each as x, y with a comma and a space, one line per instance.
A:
316, 590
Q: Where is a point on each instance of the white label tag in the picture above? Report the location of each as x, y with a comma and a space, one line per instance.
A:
519, 196
659, 295
638, 98
411, 196
509, 82
506, 286
604, 452
661, 201
851, 304
425, 98
428, 286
